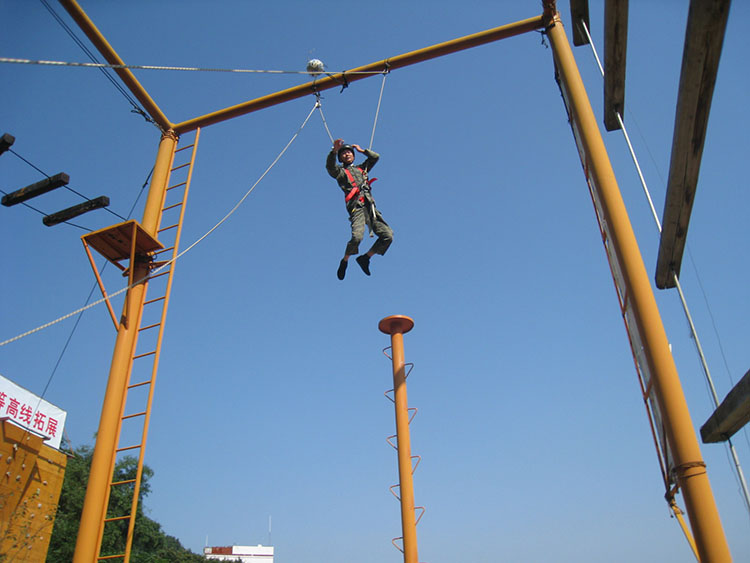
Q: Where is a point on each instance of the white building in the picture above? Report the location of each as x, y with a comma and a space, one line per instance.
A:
245, 553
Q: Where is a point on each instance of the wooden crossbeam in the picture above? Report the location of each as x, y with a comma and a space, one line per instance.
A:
731, 415
704, 36
579, 13
615, 51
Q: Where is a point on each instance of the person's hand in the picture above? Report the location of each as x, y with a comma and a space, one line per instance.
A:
357, 148
337, 144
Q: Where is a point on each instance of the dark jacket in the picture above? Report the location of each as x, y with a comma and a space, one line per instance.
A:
359, 175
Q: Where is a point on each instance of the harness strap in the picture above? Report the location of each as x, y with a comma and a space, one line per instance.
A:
355, 189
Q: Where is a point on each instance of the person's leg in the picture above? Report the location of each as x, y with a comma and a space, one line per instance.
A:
357, 220
385, 238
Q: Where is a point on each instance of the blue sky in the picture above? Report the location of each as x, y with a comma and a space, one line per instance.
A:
269, 402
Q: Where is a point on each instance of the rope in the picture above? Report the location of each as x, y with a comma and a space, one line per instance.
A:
319, 106
323, 117
178, 68
160, 268
377, 110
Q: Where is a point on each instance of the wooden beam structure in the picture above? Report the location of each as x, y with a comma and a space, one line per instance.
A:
704, 37
6, 141
733, 413
615, 51
579, 14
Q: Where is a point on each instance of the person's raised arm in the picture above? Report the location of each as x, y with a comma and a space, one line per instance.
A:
372, 156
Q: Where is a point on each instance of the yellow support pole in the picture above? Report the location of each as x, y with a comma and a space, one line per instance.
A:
102, 464
396, 326
689, 468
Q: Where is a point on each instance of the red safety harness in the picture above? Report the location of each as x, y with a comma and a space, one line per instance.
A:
355, 189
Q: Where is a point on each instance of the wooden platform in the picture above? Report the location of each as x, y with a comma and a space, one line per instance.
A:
115, 243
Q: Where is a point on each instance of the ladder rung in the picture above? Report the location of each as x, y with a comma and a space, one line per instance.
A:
171, 206
115, 519
141, 384
105, 557
154, 300
139, 356
167, 228
127, 416
185, 148
164, 250
118, 450
160, 274
177, 186
122, 482
148, 327
180, 166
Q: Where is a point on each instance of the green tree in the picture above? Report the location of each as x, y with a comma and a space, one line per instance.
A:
150, 543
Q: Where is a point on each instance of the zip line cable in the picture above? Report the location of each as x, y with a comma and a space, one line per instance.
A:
693, 331
11, 60
169, 262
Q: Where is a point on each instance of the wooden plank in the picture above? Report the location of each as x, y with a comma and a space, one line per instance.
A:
579, 13
733, 413
6, 141
75, 211
704, 36
38, 188
615, 52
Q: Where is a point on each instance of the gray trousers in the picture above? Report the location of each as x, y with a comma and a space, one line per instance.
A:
358, 219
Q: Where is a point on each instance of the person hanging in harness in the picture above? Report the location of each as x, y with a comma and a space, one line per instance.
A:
353, 180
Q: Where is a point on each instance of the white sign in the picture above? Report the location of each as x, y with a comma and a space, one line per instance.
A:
29, 411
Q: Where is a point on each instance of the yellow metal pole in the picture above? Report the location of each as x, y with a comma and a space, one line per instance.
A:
159, 179
690, 470
102, 463
339, 79
396, 326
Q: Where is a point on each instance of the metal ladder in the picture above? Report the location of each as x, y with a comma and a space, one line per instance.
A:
135, 411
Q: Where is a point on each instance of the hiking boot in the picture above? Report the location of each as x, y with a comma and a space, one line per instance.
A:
364, 263
341, 272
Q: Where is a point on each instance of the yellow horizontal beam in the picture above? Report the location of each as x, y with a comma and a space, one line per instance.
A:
336, 80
